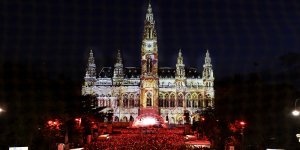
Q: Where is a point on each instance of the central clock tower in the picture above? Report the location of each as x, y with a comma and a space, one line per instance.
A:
149, 65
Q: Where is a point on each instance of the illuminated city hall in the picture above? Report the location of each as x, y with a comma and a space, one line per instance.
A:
130, 92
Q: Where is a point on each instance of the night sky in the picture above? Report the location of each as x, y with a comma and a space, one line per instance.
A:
44, 48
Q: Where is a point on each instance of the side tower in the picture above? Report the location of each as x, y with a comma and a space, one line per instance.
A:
90, 75
180, 72
149, 64
208, 80
118, 70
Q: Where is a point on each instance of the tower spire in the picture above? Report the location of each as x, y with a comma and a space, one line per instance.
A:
91, 67
149, 23
207, 58
90, 75
149, 48
149, 15
149, 63
118, 70
207, 73
179, 58
119, 58
180, 71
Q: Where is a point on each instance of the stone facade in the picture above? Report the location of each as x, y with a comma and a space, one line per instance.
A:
169, 92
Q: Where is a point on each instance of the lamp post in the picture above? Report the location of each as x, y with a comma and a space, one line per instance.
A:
2, 110
296, 112
298, 137
242, 125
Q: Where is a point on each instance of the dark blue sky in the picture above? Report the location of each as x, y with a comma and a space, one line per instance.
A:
44, 49
242, 36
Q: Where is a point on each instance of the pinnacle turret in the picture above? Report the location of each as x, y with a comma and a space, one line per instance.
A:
118, 70
179, 58
207, 58
149, 23
149, 15
119, 58
90, 75
91, 67
180, 71
207, 73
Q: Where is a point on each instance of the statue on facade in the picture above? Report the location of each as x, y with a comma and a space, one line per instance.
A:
148, 101
149, 64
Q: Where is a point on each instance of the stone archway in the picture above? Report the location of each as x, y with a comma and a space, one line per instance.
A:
116, 119
179, 120
172, 120
125, 119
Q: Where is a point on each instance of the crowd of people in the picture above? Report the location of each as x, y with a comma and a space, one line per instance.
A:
152, 141
152, 130
143, 139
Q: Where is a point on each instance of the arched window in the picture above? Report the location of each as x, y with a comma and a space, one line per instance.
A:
149, 99
137, 100
194, 101
180, 100
125, 100
131, 100
108, 102
101, 100
116, 119
117, 101
180, 120
200, 103
125, 119
160, 100
172, 101
98, 102
131, 118
210, 102
166, 101
207, 100
188, 100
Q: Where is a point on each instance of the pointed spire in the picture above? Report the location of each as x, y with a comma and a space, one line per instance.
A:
91, 67
207, 67
118, 63
91, 52
179, 53
118, 70
119, 58
207, 58
207, 53
91, 57
149, 15
179, 58
149, 7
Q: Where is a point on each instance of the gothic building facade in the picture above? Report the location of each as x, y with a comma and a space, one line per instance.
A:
169, 92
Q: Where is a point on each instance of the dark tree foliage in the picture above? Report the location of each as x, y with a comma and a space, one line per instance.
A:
265, 106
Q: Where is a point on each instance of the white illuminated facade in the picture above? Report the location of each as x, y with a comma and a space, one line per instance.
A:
169, 92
